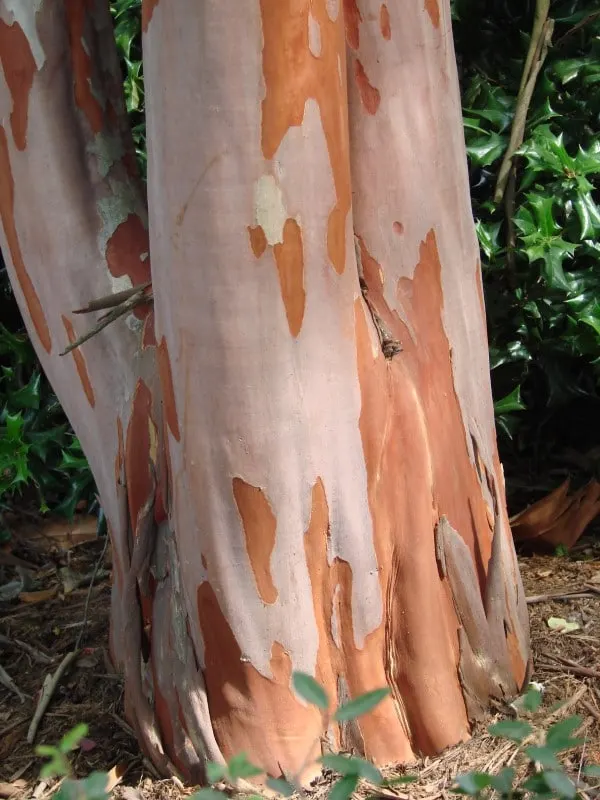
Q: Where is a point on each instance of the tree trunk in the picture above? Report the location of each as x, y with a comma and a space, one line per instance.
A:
294, 446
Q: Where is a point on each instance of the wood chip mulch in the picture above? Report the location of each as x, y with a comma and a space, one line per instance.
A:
39, 628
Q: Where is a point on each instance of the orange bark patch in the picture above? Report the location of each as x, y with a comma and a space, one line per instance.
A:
137, 452
398, 228
420, 620
163, 715
379, 734
289, 258
80, 364
433, 9
7, 213
258, 240
519, 667
413, 437
166, 382
260, 527
384, 22
127, 251
293, 75
369, 95
19, 68
75, 12
148, 7
372, 272
243, 703
352, 18
329, 663
149, 331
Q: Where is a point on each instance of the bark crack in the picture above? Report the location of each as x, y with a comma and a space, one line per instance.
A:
390, 346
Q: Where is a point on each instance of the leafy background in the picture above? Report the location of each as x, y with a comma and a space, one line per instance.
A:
542, 291
543, 295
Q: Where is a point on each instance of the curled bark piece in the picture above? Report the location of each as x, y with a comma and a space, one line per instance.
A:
558, 518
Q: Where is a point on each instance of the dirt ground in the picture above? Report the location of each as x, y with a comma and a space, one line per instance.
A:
44, 622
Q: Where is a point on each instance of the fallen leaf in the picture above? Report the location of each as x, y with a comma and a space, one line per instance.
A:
595, 577
61, 534
87, 744
70, 579
129, 793
544, 573
10, 789
39, 597
87, 662
562, 626
115, 776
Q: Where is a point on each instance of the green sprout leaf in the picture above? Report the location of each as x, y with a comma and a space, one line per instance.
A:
309, 690
360, 705
472, 783
514, 729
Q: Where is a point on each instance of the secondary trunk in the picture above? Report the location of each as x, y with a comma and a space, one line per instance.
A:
295, 445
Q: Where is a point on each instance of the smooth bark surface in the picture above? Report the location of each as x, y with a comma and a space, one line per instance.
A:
295, 446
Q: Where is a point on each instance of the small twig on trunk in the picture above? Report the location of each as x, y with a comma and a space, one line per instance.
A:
42, 658
536, 55
7, 681
138, 298
48, 689
112, 300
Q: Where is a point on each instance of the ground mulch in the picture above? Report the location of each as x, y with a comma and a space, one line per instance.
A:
57, 612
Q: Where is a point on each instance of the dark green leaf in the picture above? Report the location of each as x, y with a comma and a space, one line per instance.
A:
484, 150
503, 781
560, 784
533, 699
558, 736
543, 755
27, 396
512, 402
281, 786
343, 789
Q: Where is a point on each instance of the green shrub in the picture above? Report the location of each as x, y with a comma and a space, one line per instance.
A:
38, 451
543, 289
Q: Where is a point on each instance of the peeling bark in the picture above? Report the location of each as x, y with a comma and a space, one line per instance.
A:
294, 445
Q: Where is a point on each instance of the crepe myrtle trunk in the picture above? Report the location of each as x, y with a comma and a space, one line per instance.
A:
294, 443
